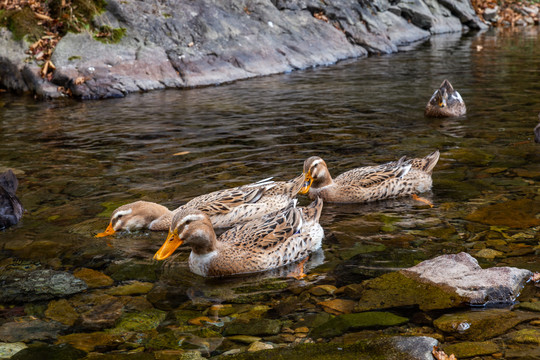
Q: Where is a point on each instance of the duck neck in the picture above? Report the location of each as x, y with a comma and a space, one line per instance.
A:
204, 243
322, 180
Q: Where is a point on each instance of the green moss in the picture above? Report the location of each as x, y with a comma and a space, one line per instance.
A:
109, 35
22, 23
71, 58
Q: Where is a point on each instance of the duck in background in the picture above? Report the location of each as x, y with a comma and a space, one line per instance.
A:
225, 208
266, 243
11, 209
370, 183
445, 102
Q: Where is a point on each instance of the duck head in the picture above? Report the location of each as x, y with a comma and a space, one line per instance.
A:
316, 174
133, 216
190, 227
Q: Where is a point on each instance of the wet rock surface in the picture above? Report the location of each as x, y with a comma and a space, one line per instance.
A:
186, 44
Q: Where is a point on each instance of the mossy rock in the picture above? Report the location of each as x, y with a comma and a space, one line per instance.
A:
397, 290
514, 213
166, 340
349, 322
143, 321
134, 270
525, 336
22, 23
254, 327
469, 349
109, 35
49, 352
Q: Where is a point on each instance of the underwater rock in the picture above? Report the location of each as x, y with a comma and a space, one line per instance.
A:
102, 315
134, 270
143, 321
525, 336
488, 254
532, 306
254, 327
50, 352
481, 325
469, 349
258, 346
338, 306
93, 278
89, 341
29, 328
27, 286
62, 311
244, 339
134, 288
347, 322
322, 290
11, 209
7, 350
514, 213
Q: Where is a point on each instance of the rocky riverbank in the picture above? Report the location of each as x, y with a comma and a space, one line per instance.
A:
185, 44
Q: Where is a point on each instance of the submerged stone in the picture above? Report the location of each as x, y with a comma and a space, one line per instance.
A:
36, 285
258, 346
338, 306
49, 352
525, 336
134, 288
7, 350
514, 213
93, 278
481, 325
90, 341
348, 322
62, 311
532, 306
470, 349
27, 329
254, 327
244, 339
488, 254
143, 321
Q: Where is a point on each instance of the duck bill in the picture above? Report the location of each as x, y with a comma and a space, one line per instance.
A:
442, 103
307, 184
166, 250
108, 231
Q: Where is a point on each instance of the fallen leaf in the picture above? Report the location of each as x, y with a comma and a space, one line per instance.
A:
441, 355
535, 277
181, 153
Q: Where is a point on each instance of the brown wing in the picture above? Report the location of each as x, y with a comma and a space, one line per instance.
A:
374, 175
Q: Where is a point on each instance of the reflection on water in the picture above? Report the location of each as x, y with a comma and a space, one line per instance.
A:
82, 159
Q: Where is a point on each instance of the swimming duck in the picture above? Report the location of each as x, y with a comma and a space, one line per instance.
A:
370, 183
445, 102
266, 243
224, 207
11, 209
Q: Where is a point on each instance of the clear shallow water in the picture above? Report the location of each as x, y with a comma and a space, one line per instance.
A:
79, 160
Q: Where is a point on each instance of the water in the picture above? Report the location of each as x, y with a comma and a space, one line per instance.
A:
77, 161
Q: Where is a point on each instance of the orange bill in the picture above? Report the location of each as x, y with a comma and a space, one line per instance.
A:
108, 231
307, 183
168, 247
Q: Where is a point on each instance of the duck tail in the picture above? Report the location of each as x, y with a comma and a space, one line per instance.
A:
430, 161
313, 211
446, 85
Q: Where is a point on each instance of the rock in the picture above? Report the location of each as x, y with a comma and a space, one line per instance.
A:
89, 341
52, 352
93, 278
11, 209
135, 288
27, 329
185, 44
469, 349
338, 306
462, 273
244, 339
514, 213
490, 14
525, 336
258, 346
348, 322
488, 254
143, 321
38, 285
134, 270
62, 311
481, 325
532, 306
254, 327
7, 350
322, 290
102, 315
418, 347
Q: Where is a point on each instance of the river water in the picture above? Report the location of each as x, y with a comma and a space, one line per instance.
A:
77, 161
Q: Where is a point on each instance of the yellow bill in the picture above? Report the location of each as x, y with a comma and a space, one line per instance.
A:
168, 247
108, 231
307, 183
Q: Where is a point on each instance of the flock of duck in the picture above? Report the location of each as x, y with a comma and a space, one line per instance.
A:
267, 229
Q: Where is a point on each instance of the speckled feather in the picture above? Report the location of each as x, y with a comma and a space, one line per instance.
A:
371, 183
266, 243
225, 208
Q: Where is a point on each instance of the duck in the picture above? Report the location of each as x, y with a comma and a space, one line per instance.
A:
445, 102
225, 208
370, 183
11, 209
274, 240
